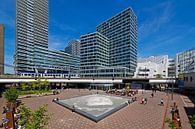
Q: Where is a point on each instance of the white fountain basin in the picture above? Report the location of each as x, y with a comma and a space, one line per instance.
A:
95, 107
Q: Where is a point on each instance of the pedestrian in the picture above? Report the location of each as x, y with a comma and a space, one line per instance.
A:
152, 95
142, 101
145, 101
73, 108
161, 102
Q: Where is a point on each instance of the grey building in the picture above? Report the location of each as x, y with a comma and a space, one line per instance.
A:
121, 33
185, 62
73, 47
171, 68
94, 53
32, 53
31, 31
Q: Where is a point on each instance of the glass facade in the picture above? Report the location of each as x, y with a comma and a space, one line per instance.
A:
94, 53
73, 47
32, 53
118, 55
185, 61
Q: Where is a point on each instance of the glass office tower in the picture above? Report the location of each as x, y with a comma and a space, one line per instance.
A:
32, 53
31, 31
121, 30
119, 33
94, 54
185, 61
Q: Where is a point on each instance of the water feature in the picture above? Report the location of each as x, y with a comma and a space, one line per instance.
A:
94, 107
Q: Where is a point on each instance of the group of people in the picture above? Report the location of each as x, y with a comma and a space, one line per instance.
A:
175, 114
144, 101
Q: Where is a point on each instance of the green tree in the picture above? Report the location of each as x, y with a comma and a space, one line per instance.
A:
45, 85
24, 86
37, 119
33, 85
158, 76
192, 120
170, 123
181, 76
11, 94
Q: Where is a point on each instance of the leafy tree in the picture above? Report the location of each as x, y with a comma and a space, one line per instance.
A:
45, 85
11, 94
181, 76
33, 85
37, 119
192, 120
158, 76
24, 86
171, 123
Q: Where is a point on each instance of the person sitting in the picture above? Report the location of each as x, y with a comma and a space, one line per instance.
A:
142, 101
161, 102
73, 108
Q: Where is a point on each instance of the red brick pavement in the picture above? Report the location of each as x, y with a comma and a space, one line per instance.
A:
135, 116
183, 116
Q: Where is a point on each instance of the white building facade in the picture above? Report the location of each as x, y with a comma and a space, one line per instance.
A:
152, 67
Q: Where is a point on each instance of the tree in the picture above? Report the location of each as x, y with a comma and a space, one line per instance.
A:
33, 85
181, 76
192, 120
170, 123
11, 94
37, 119
158, 76
24, 86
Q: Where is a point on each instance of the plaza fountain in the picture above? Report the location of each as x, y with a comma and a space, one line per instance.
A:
96, 106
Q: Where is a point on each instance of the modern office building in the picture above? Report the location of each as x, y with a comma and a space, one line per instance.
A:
73, 47
31, 31
32, 53
152, 67
121, 32
1, 49
185, 62
94, 53
171, 68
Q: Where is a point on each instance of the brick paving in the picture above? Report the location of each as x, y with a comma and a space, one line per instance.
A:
134, 116
181, 107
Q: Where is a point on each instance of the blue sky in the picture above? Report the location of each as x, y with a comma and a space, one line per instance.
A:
164, 26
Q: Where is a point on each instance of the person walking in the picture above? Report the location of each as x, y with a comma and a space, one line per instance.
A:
145, 101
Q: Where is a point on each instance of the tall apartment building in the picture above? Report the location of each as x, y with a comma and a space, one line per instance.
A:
32, 53
185, 61
73, 47
171, 68
152, 67
121, 31
31, 31
94, 53
1, 49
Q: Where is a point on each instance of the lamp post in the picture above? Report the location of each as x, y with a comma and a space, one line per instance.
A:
172, 87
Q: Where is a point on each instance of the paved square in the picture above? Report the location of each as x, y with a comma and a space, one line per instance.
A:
134, 116
95, 107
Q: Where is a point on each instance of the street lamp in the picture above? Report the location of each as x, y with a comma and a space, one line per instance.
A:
172, 87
